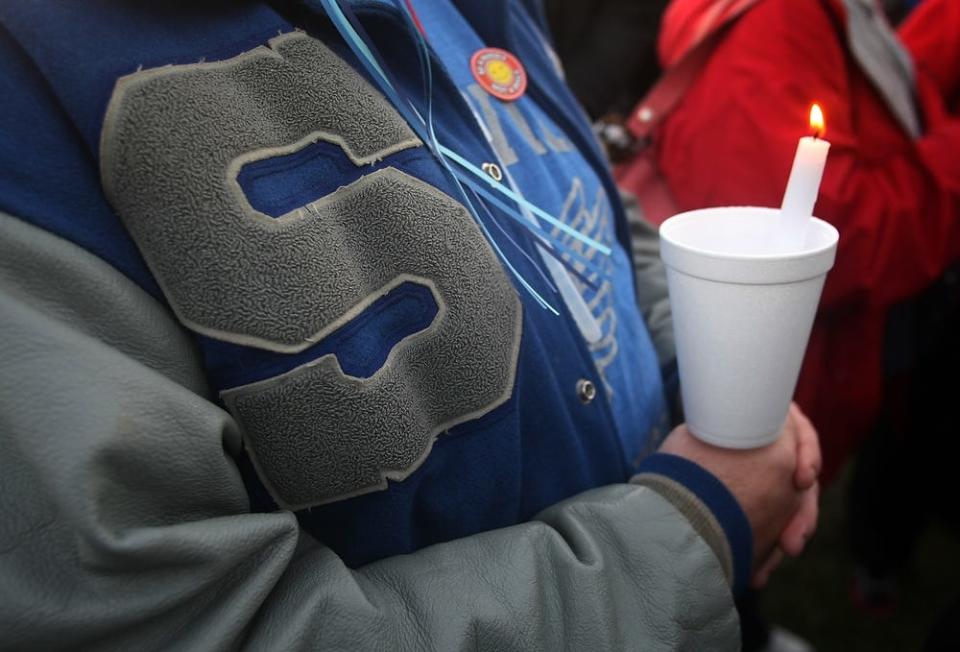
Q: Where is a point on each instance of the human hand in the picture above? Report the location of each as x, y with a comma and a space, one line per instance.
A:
801, 527
776, 486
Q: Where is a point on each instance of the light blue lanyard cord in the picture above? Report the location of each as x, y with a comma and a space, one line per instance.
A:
426, 72
536, 210
350, 30
417, 123
357, 44
546, 279
423, 54
554, 247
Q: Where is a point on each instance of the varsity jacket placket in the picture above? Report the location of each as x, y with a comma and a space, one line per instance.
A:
492, 21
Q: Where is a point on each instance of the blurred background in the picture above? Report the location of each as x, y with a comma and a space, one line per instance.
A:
811, 595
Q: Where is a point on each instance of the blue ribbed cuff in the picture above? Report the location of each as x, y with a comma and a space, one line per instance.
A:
718, 500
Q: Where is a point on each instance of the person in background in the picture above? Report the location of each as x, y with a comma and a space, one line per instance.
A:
265, 381
921, 356
891, 184
931, 33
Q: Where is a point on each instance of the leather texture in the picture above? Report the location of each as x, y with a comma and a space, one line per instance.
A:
124, 523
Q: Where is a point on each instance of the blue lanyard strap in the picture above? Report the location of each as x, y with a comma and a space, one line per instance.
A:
463, 172
533, 208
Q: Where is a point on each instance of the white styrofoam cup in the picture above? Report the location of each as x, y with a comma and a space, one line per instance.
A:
741, 317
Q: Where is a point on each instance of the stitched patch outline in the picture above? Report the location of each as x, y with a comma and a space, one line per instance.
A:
173, 142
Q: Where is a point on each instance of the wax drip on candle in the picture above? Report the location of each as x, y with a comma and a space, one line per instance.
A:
803, 185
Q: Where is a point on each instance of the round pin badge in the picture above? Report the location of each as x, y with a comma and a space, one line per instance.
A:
499, 73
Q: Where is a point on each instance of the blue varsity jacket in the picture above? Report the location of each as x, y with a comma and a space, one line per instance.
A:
395, 384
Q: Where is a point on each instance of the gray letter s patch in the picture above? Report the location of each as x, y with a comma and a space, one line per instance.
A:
174, 140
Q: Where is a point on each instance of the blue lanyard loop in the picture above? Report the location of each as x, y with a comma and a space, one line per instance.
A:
463, 172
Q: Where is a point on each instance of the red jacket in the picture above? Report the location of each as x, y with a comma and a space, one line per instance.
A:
895, 200
932, 34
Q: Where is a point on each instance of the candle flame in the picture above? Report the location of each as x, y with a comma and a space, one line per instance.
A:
817, 123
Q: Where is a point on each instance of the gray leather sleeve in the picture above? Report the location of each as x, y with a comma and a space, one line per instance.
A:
124, 523
651, 280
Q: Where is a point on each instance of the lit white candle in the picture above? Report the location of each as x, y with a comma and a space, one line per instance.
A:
803, 185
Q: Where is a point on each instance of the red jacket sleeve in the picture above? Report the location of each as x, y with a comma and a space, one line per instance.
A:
932, 35
731, 141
